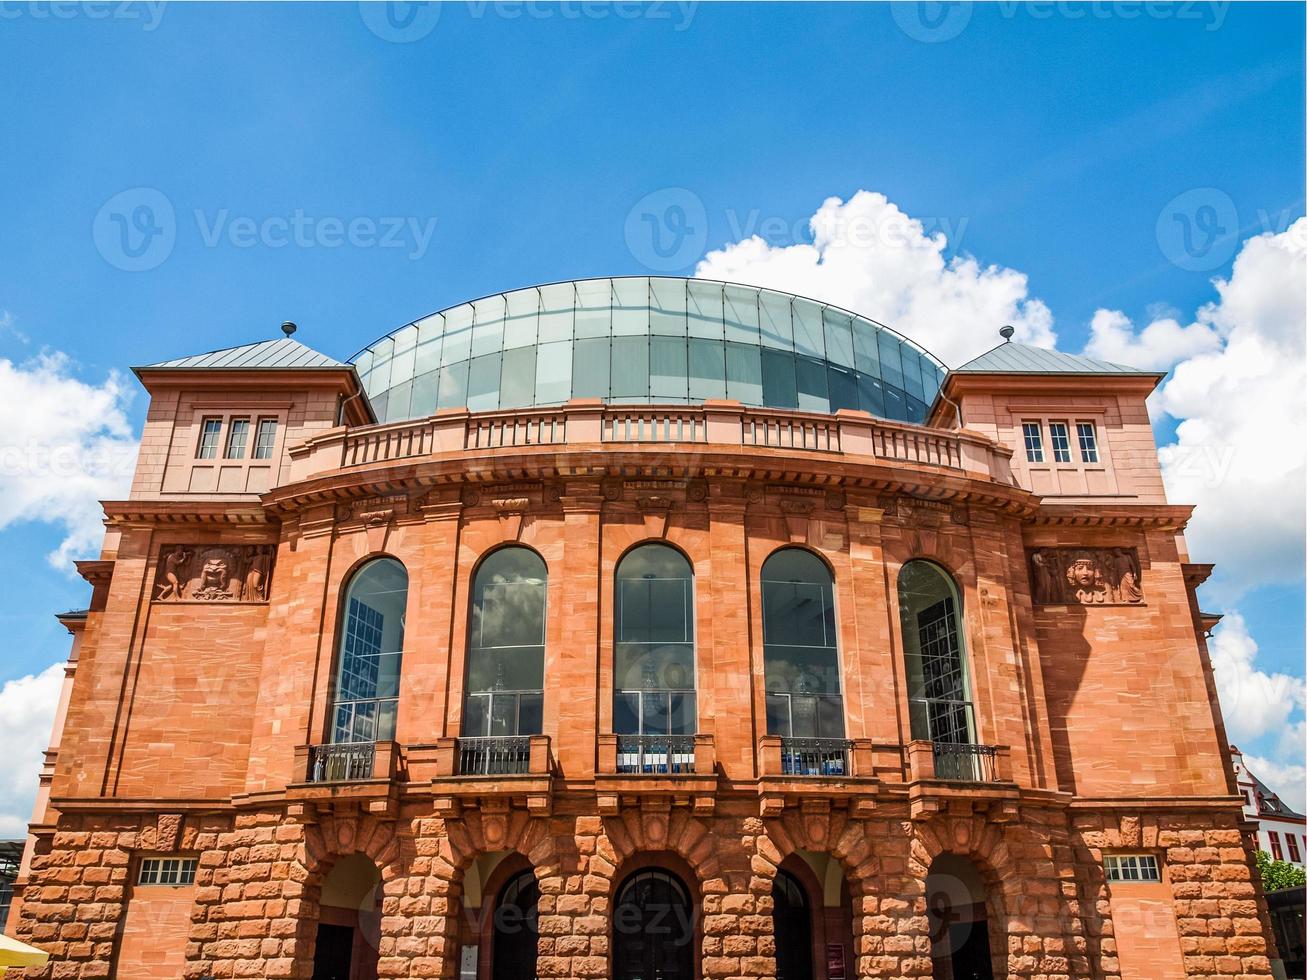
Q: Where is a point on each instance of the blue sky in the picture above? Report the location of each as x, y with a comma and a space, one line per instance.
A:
509, 143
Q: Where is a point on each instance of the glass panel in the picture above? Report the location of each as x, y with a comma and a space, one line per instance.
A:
839, 337
401, 365
431, 335
681, 716
811, 377
590, 368
704, 310
399, 399
866, 355
667, 315
458, 335
381, 352
741, 314
483, 384
238, 434
593, 298
779, 389
520, 323
798, 622
655, 718
530, 714
667, 368
896, 406
369, 651
830, 717
871, 395
630, 370
488, 331
630, 307
453, 385
916, 409
707, 369
808, 329
912, 372
843, 388
476, 717
517, 378
774, 321
932, 645
744, 374
556, 304
554, 373
425, 388
891, 363
626, 713
778, 714
265, 439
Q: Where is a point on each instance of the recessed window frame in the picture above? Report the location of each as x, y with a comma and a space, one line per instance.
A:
169, 870
1059, 440
238, 437
1295, 855
1132, 868
263, 449
1033, 436
206, 446
1087, 440
1277, 851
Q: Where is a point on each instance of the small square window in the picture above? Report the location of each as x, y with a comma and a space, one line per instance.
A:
1131, 867
1088, 442
1034, 442
265, 438
238, 434
167, 871
1061, 440
210, 430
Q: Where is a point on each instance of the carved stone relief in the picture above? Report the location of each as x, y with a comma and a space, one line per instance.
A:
1086, 576
214, 573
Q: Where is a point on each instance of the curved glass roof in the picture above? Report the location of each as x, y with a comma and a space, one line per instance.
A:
647, 340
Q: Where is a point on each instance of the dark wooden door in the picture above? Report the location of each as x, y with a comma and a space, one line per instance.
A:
970, 942
792, 922
332, 952
653, 932
517, 929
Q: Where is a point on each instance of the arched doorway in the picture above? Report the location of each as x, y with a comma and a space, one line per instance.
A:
792, 924
516, 928
959, 923
653, 928
349, 921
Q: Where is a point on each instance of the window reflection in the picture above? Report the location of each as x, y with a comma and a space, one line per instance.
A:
939, 696
369, 654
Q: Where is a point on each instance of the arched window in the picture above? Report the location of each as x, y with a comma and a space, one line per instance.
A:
800, 652
506, 645
368, 659
517, 928
653, 931
654, 643
938, 689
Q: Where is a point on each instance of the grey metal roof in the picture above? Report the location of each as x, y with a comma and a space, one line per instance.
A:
281, 355
1010, 358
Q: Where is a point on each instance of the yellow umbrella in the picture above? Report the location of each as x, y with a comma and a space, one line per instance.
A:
14, 953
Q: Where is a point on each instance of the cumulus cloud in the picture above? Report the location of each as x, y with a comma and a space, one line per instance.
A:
27, 707
1237, 391
1254, 703
1289, 782
66, 444
868, 256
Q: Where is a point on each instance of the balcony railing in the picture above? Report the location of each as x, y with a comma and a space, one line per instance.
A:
506, 755
341, 762
965, 762
815, 756
655, 754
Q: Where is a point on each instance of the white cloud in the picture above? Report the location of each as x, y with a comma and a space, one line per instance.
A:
1158, 347
65, 445
1289, 782
1253, 703
27, 708
870, 257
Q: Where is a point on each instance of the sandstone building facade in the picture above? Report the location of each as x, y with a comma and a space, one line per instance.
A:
642, 628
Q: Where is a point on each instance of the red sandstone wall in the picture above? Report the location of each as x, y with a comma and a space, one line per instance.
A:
155, 931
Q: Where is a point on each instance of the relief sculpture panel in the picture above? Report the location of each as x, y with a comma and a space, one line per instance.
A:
1086, 576
213, 573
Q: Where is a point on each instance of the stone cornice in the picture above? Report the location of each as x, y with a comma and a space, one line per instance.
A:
151, 513
1164, 517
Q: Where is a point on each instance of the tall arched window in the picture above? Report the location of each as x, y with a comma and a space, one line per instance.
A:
800, 652
939, 692
368, 660
506, 645
654, 643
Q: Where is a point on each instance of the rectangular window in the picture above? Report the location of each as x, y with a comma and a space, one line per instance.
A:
167, 871
210, 430
265, 438
1034, 442
1131, 867
238, 434
1088, 442
1061, 440
1294, 853
1276, 852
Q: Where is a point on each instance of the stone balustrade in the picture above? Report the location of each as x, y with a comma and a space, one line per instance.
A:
582, 422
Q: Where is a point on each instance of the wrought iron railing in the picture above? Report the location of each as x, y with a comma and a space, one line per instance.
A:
965, 762
501, 755
815, 756
655, 754
341, 762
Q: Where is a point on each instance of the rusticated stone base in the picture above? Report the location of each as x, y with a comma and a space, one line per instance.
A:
258, 886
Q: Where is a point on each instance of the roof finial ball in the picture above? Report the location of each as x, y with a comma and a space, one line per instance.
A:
1004, 332
288, 328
